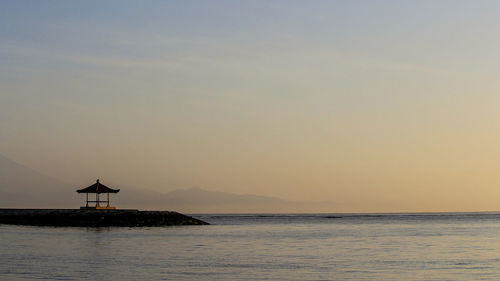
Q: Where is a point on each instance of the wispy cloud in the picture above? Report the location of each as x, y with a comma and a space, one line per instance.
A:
203, 53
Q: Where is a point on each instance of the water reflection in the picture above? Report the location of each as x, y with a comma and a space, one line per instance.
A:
453, 247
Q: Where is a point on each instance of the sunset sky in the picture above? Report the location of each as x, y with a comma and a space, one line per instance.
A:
373, 105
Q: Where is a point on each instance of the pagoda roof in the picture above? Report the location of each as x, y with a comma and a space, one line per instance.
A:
97, 188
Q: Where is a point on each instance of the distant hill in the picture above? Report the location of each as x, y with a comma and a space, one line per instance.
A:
23, 187
197, 200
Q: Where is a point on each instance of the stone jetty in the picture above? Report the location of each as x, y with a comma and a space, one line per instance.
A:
94, 218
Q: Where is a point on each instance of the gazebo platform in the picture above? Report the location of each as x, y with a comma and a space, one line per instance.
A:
97, 208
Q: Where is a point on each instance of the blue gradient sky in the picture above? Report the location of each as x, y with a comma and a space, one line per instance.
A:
374, 105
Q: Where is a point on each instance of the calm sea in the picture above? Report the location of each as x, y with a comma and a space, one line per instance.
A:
430, 246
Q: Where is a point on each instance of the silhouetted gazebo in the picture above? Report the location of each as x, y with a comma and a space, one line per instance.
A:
97, 188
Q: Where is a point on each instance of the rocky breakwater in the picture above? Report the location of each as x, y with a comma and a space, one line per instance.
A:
94, 218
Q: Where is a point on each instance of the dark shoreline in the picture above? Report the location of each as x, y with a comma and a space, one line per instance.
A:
95, 218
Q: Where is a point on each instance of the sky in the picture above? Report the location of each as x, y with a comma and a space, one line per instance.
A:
377, 106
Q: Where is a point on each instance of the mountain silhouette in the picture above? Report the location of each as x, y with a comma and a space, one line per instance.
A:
23, 187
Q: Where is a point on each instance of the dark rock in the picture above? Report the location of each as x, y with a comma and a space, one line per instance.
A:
76, 217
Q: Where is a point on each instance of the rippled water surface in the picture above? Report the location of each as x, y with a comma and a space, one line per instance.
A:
456, 246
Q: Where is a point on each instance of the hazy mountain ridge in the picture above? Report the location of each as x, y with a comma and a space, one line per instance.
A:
23, 187
197, 200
